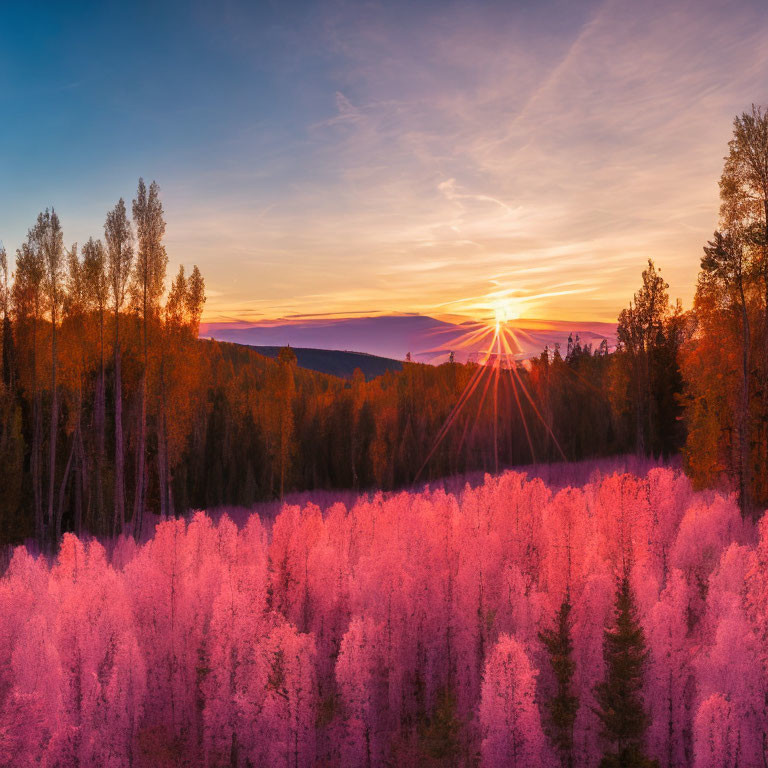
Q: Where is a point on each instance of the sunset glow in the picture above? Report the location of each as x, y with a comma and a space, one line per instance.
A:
332, 159
384, 383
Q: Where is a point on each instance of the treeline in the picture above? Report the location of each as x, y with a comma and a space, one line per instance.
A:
99, 375
111, 409
148, 419
272, 427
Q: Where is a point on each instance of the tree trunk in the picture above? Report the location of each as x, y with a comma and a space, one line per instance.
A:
82, 481
37, 439
36, 460
63, 488
639, 421
138, 499
118, 522
54, 424
162, 450
99, 414
745, 480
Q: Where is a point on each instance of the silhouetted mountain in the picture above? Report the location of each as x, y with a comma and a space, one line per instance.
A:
428, 339
337, 362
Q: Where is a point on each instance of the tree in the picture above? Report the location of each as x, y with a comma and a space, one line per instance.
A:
75, 372
6, 334
146, 289
27, 299
509, 717
669, 678
359, 677
727, 424
51, 243
725, 271
11, 438
643, 332
97, 286
119, 239
716, 734
744, 207
285, 395
619, 697
563, 705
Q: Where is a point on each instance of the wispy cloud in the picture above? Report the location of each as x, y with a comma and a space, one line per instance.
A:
486, 153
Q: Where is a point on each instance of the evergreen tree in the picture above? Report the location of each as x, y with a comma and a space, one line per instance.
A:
619, 696
563, 706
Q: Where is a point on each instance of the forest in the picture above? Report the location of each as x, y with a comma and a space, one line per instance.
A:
514, 624
458, 611
114, 414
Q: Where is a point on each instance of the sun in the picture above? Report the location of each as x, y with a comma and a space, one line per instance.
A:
506, 310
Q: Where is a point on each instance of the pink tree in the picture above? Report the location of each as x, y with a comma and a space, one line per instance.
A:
359, 673
731, 667
239, 625
509, 718
294, 535
668, 680
290, 705
669, 494
102, 681
716, 734
592, 611
569, 555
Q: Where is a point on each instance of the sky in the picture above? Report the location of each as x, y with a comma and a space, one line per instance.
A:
345, 158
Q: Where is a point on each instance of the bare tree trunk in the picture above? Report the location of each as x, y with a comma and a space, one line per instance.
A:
764, 383
82, 481
162, 450
745, 480
649, 404
54, 425
100, 406
37, 439
37, 484
138, 499
118, 523
639, 421
63, 488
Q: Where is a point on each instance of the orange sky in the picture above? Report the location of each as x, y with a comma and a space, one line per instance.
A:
445, 159
470, 171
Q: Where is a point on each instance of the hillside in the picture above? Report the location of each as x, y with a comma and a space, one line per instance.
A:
335, 362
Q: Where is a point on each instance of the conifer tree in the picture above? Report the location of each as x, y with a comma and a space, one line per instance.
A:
619, 697
563, 706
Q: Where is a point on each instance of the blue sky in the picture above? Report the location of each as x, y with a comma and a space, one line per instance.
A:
376, 157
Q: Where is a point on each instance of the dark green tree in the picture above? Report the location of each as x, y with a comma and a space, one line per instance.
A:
563, 705
620, 700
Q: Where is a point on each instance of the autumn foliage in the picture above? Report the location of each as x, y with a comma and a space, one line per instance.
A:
408, 629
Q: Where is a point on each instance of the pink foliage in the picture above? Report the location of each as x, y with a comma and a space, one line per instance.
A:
716, 734
388, 633
509, 717
669, 676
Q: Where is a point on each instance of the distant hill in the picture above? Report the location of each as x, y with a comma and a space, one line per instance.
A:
391, 337
335, 362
